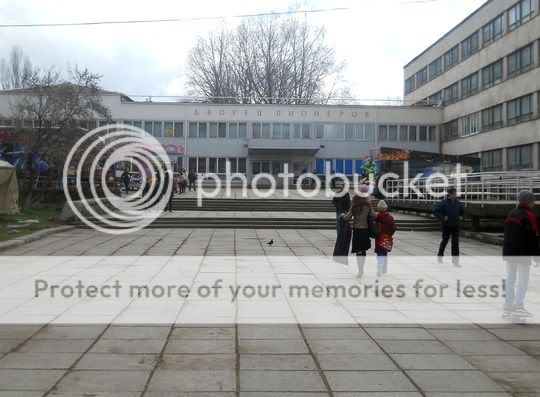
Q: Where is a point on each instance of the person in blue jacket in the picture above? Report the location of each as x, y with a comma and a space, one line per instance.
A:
450, 212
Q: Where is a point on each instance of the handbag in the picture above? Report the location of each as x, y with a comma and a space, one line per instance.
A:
385, 242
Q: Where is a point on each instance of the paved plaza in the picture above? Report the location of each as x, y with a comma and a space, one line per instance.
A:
254, 360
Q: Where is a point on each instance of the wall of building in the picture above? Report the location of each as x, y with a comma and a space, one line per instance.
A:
510, 133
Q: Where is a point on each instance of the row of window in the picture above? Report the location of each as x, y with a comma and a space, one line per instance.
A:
517, 110
517, 158
518, 14
421, 133
217, 165
517, 62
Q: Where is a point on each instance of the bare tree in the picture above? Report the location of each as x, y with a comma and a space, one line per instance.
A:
46, 115
16, 71
271, 59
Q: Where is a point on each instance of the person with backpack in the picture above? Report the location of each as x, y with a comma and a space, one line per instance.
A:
386, 227
521, 244
363, 229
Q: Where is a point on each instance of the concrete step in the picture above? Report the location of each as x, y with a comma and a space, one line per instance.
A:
273, 223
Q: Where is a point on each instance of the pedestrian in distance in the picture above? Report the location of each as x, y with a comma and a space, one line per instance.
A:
363, 229
520, 246
192, 178
342, 202
384, 242
450, 212
169, 181
126, 179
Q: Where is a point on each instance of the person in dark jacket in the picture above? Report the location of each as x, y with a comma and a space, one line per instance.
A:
450, 212
126, 178
342, 202
521, 244
192, 178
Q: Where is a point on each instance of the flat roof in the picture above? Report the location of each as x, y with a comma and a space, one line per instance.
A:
449, 32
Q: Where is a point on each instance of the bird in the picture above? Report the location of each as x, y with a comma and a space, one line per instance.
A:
270, 242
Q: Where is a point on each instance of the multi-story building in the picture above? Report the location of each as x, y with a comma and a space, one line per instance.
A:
485, 75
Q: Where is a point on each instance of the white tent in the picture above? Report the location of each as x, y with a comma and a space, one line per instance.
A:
9, 190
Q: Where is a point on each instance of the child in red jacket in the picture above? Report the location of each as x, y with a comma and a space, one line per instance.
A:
386, 227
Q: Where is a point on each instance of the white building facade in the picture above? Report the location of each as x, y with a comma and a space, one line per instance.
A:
263, 138
485, 75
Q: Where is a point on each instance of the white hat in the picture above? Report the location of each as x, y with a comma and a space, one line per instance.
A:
382, 206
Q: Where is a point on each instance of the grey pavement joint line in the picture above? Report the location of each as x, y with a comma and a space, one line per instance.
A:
310, 350
169, 334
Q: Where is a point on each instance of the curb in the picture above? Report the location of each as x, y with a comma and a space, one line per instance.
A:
5, 245
485, 238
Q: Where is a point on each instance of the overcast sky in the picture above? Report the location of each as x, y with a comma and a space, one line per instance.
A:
376, 38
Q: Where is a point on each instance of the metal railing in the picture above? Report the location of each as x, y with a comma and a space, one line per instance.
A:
477, 188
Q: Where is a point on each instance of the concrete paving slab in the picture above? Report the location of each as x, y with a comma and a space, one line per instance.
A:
369, 381
38, 360
281, 381
277, 362
103, 381
431, 361
28, 380
356, 362
192, 381
195, 346
455, 381
121, 362
199, 362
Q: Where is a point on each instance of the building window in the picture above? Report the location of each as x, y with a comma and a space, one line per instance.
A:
383, 133
451, 58
403, 133
492, 74
302, 131
470, 125
319, 131
148, 127
329, 132
492, 161
409, 85
178, 129
435, 68
520, 13
520, 157
470, 45
369, 132
261, 130
520, 61
492, 117
168, 129
423, 133
451, 130
435, 99
158, 131
392, 132
281, 131
213, 130
519, 109
413, 133
203, 128
359, 133
432, 132
493, 30
340, 131
349, 132
421, 77
237, 130
469, 85
451, 94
